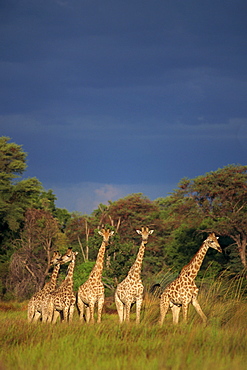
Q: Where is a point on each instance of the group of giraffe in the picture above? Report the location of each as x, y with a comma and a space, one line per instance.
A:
51, 302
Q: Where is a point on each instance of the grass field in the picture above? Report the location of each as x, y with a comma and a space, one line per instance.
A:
222, 344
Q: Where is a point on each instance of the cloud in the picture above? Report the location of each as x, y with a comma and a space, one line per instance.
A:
85, 197
107, 192
104, 94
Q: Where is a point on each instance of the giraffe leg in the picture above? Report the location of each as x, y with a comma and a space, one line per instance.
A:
71, 312
66, 314
198, 309
50, 318
124, 312
81, 307
30, 312
164, 306
44, 311
100, 308
55, 316
185, 311
175, 313
91, 309
127, 312
138, 309
120, 308
87, 310
37, 316
49, 311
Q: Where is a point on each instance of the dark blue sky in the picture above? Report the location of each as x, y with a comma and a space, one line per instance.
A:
116, 97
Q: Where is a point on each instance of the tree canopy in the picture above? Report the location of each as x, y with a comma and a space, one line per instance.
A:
19, 200
32, 227
218, 200
15, 195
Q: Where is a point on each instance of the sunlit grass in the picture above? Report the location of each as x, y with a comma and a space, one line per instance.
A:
221, 344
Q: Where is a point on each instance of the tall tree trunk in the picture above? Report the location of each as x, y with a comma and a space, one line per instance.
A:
241, 247
242, 252
82, 250
87, 236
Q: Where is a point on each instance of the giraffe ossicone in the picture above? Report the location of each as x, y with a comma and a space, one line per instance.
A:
62, 300
182, 291
130, 290
92, 291
34, 308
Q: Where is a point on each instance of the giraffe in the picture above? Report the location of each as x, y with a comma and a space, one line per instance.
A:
130, 290
35, 304
182, 291
62, 300
92, 291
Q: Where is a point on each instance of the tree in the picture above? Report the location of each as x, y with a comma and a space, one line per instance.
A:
12, 160
30, 263
218, 200
46, 201
78, 230
124, 217
15, 195
127, 215
134, 211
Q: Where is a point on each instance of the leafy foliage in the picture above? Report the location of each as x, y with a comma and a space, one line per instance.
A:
218, 198
81, 273
15, 196
31, 262
32, 226
29, 224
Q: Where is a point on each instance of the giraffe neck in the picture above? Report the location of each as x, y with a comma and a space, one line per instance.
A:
135, 270
68, 281
98, 267
191, 270
53, 281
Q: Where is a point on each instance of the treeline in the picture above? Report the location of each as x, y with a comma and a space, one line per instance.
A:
32, 227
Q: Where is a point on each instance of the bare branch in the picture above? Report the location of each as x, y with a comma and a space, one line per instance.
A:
82, 251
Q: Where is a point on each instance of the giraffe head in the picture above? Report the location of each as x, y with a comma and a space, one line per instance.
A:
68, 256
106, 235
145, 232
74, 255
55, 259
212, 241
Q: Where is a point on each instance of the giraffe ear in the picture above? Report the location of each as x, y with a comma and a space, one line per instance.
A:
100, 233
112, 232
151, 232
138, 231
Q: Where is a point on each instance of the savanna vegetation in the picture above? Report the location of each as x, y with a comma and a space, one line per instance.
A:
32, 227
219, 345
